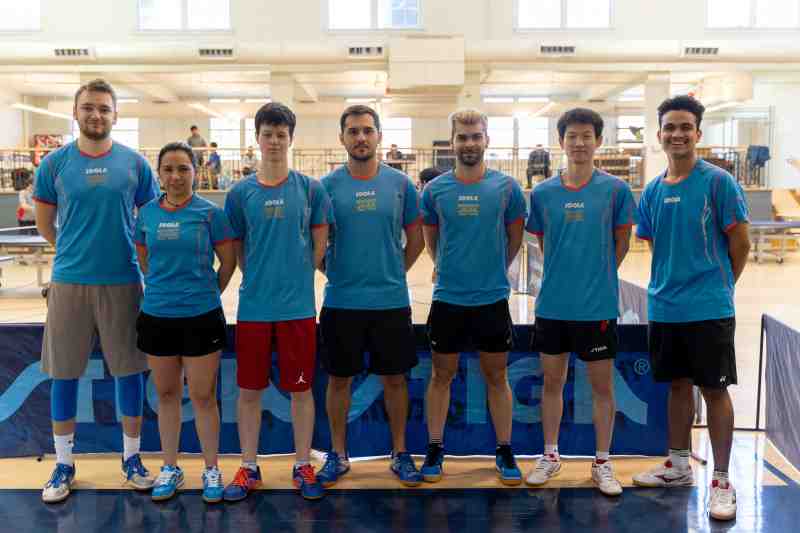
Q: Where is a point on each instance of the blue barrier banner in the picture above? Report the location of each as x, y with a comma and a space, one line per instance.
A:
782, 380
640, 427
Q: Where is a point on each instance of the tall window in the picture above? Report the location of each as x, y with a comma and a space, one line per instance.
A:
734, 14
184, 15
373, 14
396, 130
501, 137
630, 129
126, 131
20, 16
532, 132
226, 132
556, 14
250, 132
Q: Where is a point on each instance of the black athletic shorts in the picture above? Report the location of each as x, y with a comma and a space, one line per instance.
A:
186, 336
591, 340
387, 334
701, 351
458, 328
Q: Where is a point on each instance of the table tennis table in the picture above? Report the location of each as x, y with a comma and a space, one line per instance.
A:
16, 248
764, 231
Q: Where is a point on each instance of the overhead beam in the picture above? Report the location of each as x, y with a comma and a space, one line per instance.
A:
605, 91
305, 92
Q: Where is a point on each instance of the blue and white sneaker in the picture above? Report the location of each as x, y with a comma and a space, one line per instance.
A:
507, 468
406, 471
334, 468
168, 482
432, 467
58, 487
212, 485
136, 474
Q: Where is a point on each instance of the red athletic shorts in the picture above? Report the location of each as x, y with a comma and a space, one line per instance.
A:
296, 344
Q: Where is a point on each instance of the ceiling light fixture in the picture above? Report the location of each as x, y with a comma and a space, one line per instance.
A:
41, 111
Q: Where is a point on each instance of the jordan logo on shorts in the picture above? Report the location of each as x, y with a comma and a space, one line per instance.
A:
300, 379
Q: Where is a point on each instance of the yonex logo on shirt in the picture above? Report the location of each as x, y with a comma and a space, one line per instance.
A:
573, 205
672, 199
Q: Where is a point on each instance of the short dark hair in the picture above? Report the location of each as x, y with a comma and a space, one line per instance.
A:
429, 174
193, 127
360, 109
98, 85
276, 114
682, 102
178, 146
580, 115
214, 145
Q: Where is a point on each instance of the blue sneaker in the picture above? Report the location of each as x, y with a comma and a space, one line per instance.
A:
136, 474
432, 467
507, 468
245, 481
60, 483
212, 485
334, 468
406, 471
168, 482
304, 479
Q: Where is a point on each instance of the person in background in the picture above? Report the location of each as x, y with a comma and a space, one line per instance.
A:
427, 175
195, 140
214, 166
393, 157
249, 162
26, 214
538, 165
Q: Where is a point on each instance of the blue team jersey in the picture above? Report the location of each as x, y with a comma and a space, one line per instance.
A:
365, 261
274, 224
472, 250
180, 280
95, 197
691, 276
580, 262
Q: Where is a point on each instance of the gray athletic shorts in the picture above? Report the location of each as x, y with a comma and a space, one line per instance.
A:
77, 314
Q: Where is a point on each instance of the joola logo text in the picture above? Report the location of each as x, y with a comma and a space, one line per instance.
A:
672, 200
273, 202
169, 225
573, 205
467, 198
363, 194
99, 170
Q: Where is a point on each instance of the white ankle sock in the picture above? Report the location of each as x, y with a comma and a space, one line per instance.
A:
64, 444
130, 446
252, 466
551, 449
679, 458
601, 456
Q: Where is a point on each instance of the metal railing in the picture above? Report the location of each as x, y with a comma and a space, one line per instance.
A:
625, 162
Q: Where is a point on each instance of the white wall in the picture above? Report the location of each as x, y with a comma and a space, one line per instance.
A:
781, 91
11, 122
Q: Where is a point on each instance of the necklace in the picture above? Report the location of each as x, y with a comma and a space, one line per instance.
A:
172, 203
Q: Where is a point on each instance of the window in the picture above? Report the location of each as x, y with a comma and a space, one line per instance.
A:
126, 131
501, 138
396, 130
532, 132
557, 14
250, 132
184, 15
20, 16
630, 129
734, 14
226, 132
373, 14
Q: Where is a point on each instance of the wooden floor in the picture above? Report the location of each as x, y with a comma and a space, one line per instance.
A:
755, 463
767, 287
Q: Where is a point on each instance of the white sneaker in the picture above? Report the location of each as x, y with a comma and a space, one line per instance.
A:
723, 502
665, 475
544, 470
603, 477
59, 485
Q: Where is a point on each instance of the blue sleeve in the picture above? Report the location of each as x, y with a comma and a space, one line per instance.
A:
411, 212
534, 224
321, 208
428, 206
644, 228
44, 189
235, 213
148, 186
625, 208
516, 209
221, 230
731, 206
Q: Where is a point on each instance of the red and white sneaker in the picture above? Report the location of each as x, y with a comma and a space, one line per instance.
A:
665, 475
723, 501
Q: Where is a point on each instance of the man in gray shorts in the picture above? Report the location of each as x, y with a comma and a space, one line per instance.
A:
93, 185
